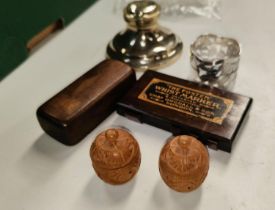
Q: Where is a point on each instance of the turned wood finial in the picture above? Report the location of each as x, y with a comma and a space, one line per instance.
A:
111, 135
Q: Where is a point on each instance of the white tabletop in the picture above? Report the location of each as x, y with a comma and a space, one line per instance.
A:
36, 172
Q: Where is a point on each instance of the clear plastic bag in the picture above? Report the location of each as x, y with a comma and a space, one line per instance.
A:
183, 8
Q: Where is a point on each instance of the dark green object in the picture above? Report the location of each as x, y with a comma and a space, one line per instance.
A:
21, 20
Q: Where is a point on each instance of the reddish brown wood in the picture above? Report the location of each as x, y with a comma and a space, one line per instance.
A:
42, 35
184, 163
75, 111
115, 156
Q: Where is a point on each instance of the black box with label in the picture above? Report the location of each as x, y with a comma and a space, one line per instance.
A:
212, 115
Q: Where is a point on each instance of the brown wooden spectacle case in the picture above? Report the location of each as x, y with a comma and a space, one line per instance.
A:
212, 115
75, 111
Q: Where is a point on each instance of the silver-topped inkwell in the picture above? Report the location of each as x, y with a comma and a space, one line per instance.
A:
144, 44
215, 60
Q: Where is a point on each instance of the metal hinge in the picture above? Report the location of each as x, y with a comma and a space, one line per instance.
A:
212, 144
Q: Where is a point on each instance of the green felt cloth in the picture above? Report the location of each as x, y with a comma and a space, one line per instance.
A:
20, 20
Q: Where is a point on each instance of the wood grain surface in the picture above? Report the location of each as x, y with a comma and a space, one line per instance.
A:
184, 163
75, 111
115, 155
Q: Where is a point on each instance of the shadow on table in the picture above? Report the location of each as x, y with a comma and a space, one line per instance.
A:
44, 158
101, 193
163, 197
225, 157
